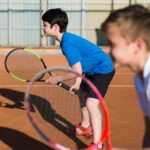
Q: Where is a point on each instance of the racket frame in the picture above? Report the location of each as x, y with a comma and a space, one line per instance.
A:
60, 84
106, 131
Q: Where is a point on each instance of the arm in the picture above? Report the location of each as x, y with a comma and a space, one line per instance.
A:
78, 68
67, 76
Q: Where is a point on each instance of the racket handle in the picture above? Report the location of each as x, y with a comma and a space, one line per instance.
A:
66, 87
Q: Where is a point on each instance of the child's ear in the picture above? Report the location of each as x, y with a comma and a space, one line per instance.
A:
140, 43
56, 27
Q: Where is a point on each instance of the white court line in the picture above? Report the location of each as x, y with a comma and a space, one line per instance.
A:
122, 86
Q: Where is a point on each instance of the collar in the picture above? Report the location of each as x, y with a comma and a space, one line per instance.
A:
146, 70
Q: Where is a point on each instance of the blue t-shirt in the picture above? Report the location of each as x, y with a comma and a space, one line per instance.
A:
92, 58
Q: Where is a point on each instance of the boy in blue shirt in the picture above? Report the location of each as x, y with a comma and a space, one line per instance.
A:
85, 58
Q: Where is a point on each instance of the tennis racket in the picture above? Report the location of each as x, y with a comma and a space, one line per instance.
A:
23, 63
53, 111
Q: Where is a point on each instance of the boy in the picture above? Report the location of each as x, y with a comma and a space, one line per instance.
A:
85, 58
128, 32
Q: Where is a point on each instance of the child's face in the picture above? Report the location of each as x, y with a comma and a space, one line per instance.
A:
122, 52
48, 31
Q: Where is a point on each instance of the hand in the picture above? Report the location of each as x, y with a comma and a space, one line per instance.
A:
76, 85
52, 80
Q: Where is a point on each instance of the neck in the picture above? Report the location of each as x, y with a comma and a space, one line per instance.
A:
59, 37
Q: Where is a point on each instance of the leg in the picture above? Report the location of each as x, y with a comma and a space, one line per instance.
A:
84, 128
85, 122
85, 118
96, 118
93, 105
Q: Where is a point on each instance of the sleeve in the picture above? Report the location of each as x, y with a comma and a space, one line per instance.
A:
72, 55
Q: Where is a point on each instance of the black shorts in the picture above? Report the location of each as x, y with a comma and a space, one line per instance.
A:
101, 81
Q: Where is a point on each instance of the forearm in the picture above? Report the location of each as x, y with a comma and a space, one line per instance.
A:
70, 75
66, 76
78, 68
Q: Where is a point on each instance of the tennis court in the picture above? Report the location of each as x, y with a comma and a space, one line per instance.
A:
16, 132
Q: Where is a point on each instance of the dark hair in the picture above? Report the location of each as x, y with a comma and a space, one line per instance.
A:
56, 16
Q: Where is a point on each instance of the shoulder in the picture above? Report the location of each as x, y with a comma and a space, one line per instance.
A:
68, 35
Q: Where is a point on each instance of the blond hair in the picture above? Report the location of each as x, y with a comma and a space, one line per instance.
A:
133, 22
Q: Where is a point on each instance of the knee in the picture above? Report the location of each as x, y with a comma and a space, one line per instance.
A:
92, 103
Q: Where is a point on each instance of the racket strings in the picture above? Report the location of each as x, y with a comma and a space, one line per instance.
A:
56, 110
23, 64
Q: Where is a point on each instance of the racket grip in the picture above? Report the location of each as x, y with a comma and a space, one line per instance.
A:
66, 87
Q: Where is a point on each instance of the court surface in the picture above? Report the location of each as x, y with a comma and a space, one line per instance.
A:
16, 132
